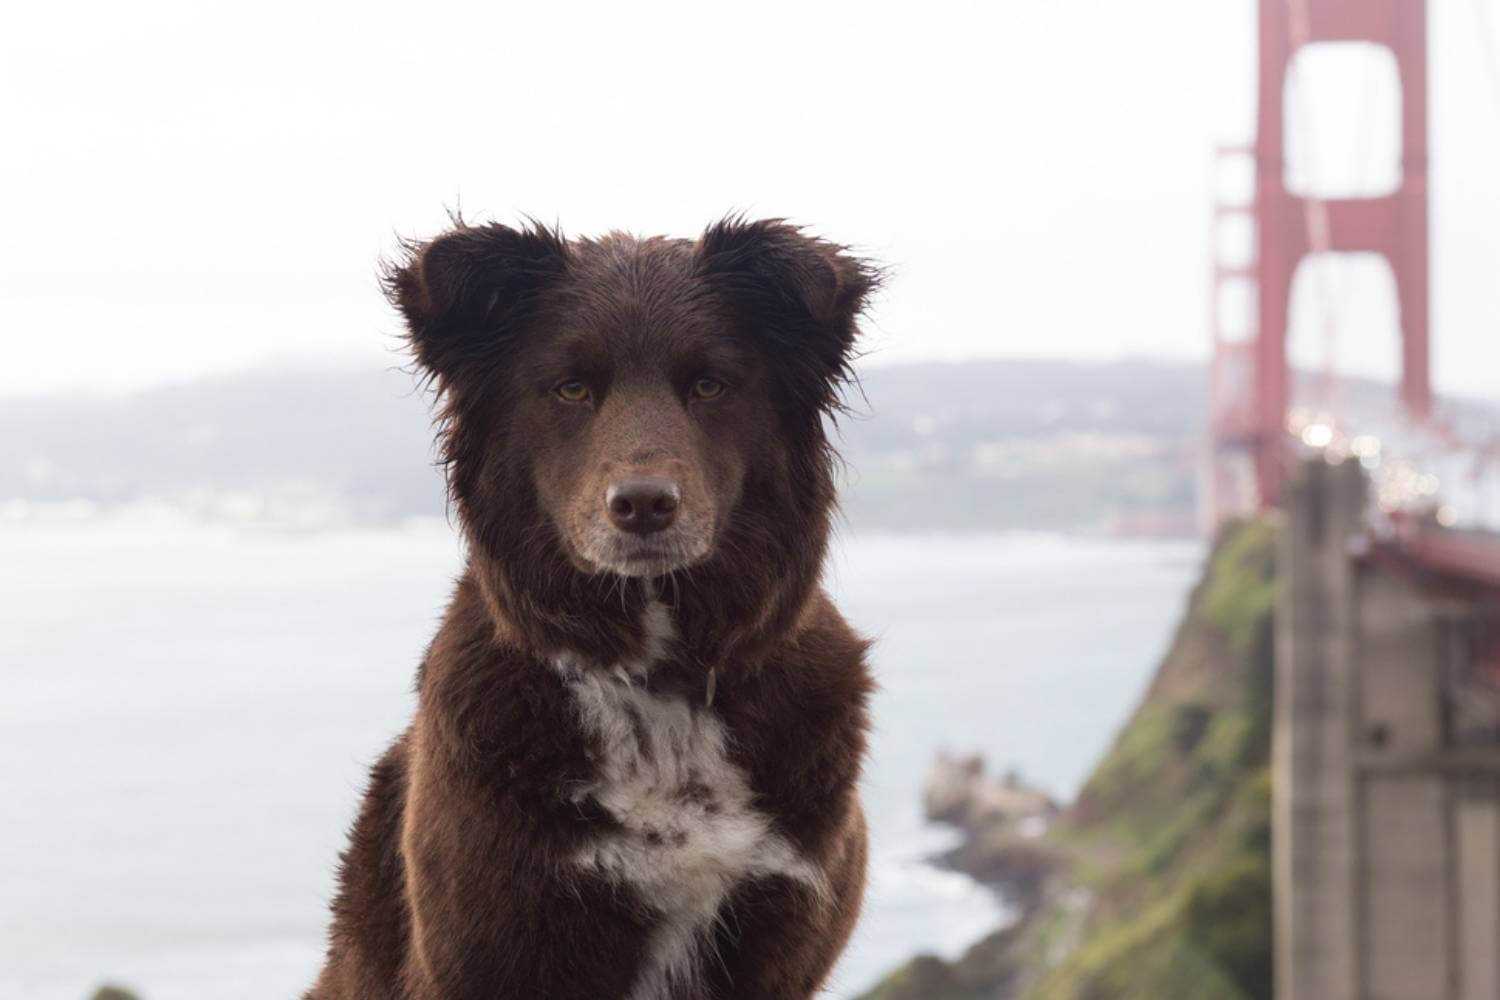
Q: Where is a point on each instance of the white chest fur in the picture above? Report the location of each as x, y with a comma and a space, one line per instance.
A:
689, 832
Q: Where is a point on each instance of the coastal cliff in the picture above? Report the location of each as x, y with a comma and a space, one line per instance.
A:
1155, 883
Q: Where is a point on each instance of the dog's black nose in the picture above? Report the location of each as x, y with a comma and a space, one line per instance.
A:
642, 505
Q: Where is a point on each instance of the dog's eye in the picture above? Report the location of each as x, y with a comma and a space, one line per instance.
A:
572, 391
707, 388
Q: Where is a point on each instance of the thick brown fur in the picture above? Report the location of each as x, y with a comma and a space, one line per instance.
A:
714, 363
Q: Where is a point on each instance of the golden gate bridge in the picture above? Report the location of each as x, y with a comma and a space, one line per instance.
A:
1436, 479
1386, 756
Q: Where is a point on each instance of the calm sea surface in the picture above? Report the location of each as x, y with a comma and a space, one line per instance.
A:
188, 714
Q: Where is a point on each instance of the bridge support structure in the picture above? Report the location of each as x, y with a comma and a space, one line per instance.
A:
1386, 758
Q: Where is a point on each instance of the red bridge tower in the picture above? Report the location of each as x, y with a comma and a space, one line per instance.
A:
1251, 378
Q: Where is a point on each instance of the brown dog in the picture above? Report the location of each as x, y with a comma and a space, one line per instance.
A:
632, 769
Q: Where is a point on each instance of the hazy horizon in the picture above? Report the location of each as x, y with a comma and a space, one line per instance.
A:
302, 365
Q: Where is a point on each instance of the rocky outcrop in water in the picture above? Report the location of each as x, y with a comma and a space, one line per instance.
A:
1003, 820
108, 992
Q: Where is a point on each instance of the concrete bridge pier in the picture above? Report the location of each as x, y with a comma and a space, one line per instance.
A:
1386, 762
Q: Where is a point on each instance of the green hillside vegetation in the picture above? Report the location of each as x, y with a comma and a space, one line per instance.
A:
1159, 884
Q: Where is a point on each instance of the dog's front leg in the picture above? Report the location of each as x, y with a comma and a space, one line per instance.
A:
498, 912
563, 947
778, 939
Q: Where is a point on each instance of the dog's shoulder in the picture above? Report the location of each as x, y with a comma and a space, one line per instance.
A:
504, 717
818, 674
799, 723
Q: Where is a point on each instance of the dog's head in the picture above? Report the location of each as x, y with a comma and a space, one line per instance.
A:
626, 407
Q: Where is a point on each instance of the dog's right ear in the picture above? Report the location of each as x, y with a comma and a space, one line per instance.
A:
465, 292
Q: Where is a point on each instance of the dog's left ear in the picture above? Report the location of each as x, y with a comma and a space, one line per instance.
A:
802, 295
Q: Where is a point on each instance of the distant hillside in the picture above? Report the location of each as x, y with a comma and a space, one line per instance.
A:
982, 445
990, 444
1155, 884
351, 444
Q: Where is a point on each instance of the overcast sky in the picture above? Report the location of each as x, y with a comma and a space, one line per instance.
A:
188, 190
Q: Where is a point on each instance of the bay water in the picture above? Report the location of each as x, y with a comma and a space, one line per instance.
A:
188, 712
